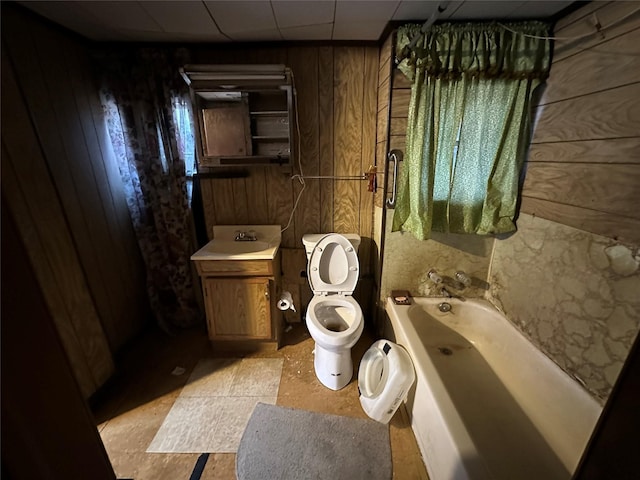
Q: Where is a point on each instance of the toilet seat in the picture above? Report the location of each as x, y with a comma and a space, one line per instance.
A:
384, 378
324, 312
333, 266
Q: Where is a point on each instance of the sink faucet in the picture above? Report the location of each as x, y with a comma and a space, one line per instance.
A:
249, 236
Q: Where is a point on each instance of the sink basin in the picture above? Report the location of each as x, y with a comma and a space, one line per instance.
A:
225, 247
233, 248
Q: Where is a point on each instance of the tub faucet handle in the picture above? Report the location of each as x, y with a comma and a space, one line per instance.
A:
463, 278
434, 277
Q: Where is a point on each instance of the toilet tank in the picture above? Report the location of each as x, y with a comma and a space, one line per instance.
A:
310, 239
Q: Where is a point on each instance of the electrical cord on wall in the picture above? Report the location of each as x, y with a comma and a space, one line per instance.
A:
299, 176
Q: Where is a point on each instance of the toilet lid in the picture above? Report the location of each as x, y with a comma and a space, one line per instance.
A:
333, 266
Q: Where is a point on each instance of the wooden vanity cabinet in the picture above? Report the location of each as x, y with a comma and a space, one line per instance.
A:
239, 301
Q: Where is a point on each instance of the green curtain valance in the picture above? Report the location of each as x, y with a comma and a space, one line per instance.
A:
486, 50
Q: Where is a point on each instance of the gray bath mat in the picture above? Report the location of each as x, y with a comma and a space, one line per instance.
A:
288, 444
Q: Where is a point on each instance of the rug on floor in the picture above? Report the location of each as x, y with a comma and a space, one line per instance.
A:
214, 406
290, 444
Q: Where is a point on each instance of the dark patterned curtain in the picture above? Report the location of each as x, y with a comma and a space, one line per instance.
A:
144, 99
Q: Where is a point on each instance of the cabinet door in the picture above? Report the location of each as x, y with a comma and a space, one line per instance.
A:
238, 308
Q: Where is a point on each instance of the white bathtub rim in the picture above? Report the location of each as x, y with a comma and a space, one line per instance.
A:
567, 443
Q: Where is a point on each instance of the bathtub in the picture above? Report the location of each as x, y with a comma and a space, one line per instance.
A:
486, 403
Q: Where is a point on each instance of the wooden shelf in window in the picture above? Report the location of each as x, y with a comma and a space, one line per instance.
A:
270, 113
270, 137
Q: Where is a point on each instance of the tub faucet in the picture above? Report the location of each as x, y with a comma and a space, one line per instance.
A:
434, 277
447, 294
463, 278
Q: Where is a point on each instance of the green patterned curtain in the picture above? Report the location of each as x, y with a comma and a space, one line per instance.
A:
469, 124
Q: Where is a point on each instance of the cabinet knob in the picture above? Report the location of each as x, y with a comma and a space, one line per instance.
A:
266, 292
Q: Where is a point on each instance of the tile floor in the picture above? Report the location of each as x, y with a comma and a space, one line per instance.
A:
131, 409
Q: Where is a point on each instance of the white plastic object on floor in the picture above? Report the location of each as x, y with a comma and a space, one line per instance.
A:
385, 376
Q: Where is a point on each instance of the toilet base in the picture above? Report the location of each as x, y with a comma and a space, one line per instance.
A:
334, 369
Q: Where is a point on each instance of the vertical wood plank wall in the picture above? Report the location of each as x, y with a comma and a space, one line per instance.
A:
584, 163
64, 191
336, 96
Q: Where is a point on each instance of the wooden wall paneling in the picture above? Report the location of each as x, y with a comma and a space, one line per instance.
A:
240, 202
304, 64
607, 14
624, 229
400, 102
294, 261
577, 15
325, 136
138, 309
610, 64
47, 428
398, 141
120, 262
398, 125
400, 80
382, 125
223, 201
256, 185
280, 203
56, 303
208, 205
610, 150
611, 113
348, 101
368, 159
58, 247
381, 158
104, 282
602, 187
20, 45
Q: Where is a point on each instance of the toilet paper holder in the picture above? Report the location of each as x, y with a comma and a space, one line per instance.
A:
285, 301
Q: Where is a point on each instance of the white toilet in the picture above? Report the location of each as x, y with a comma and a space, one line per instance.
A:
334, 318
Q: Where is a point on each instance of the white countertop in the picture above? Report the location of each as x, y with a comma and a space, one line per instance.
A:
224, 247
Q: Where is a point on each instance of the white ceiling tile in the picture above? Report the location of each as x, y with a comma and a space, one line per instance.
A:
486, 10
358, 20
361, 11
248, 17
539, 9
308, 32
414, 10
70, 16
301, 13
121, 15
184, 18
270, 35
241, 20
359, 30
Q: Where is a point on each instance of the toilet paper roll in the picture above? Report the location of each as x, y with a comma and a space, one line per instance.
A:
285, 302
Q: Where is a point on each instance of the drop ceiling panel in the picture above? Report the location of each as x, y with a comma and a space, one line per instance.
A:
121, 16
297, 14
362, 20
309, 32
488, 10
408, 10
264, 20
539, 9
246, 17
189, 19
67, 14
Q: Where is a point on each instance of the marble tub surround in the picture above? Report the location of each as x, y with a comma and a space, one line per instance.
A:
407, 261
575, 294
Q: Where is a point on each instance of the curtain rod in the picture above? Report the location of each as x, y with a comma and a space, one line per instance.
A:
442, 6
